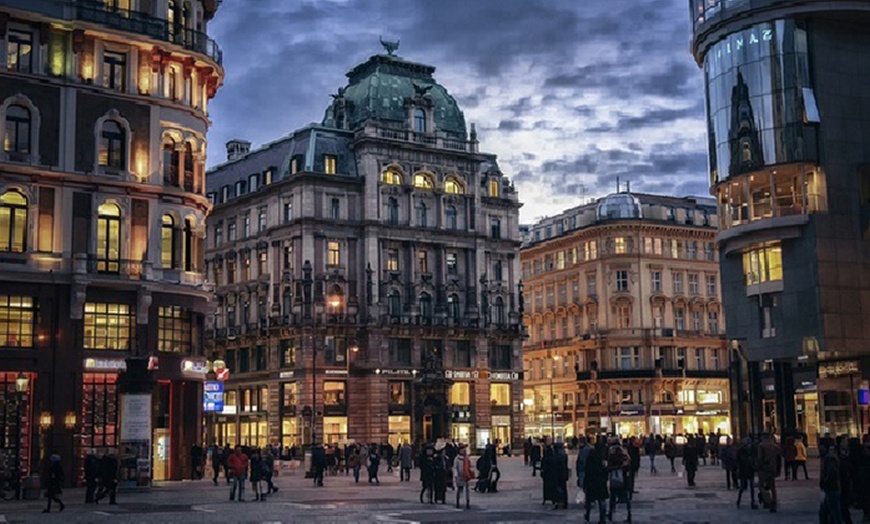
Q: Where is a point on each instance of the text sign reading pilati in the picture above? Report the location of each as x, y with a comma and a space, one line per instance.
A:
136, 418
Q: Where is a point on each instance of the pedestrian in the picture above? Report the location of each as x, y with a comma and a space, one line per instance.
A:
651, 449
238, 468
701, 446
405, 461
527, 449
633, 450
800, 458
671, 453
713, 444
195, 461
619, 472
427, 472
388, 456
269, 470
789, 455
560, 463
462, 476
535, 457
318, 463
256, 465
595, 482
829, 482
108, 471
91, 474
862, 481
690, 460
728, 458
769, 466
54, 482
548, 475
583, 450
374, 463
354, 462
746, 471
847, 449
439, 477
216, 460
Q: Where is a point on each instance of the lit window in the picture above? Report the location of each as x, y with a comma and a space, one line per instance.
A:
333, 255
19, 51
17, 317
167, 242
619, 245
115, 71
763, 264
623, 315
329, 164
334, 393
107, 326
392, 260
112, 150
17, 138
453, 187
170, 162
500, 394
392, 177
109, 238
590, 250
13, 222
493, 188
423, 181
460, 394
173, 329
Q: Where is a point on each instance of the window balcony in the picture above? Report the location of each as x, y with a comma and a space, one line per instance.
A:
144, 24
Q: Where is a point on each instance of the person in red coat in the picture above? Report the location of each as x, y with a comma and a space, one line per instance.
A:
238, 464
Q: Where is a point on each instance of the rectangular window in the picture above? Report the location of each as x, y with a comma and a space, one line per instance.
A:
678, 283
288, 256
628, 358
591, 287
620, 245
115, 71
622, 280
288, 353
500, 394
334, 393
400, 351
335, 350
329, 164
500, 356
19, 52
260, 364
763, 264
676, 247
709, 251
656, 281
700, 358
244, 360
462, 353
713, 322
681, 358
563, 293
460, 394
452, 265
261, 219
697, 321
711, 285
694, 287
288, 211
231, 231
17, 320
679, 319
623, 314
107, 326
289, 398
495, 227
590, 250
218, 234
246, 266
99, 411
263, 268
398, 392
174, 328
247, 226
45, 237
231, 271
333, 254
393, 259
560, 260
692, 250
422, 262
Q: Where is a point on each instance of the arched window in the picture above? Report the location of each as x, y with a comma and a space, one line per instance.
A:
425, 305
170, 162
394, 303
112, 154
393, 211
108, 238
13, 222
423, 181
453, 187
189, 255
423, 215
493, 188
167, 242
419, 121
17, 139
498, 311
450, 216
188, 167
392, 177
453, 307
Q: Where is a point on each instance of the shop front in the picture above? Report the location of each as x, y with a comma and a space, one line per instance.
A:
628, 421
399, 429
839, 384
16, 407
806, 401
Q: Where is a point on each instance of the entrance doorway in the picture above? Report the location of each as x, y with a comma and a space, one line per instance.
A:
427, 428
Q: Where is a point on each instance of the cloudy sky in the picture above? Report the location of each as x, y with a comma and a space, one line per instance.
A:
570, 94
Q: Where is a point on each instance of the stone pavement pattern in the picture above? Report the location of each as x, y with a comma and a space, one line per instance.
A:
661, 499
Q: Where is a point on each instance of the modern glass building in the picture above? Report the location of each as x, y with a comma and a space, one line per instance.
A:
787, 111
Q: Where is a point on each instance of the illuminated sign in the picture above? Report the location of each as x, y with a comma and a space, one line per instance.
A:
105, 364
287, 374
336, 372
396, 372
461, 374
213, 397
196, 367
863, 397
222, 374
838, 369
504, 375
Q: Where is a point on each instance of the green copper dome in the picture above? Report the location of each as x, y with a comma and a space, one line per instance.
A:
386, 88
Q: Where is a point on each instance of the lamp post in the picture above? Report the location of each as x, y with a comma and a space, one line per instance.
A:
22, 383
556, 358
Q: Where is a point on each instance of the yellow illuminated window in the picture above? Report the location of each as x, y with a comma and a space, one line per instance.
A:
460, 394
107, 326
422, 181
500, 394
333, 253
493, 188
453, 186
392, 177
329, 164
173, 329
763, 264
619, 245
17, 315
13, 221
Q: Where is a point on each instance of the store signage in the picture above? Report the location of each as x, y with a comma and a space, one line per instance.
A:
838, 369
194, 367
222, 374
213, 396
863, 397
630, 412
336, 372
461, 374
738, 41
504, 375
396, 372
287, 374
105, 364
708, 413
136, 418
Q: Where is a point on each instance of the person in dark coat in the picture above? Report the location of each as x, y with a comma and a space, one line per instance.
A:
108, 471
560, 463
728, 458
256, 465
91, 474
651, 448
54, 482
427, 472
690, 460
671, 453
829, 482
634, 454
405, 462
374, 463
216, 463
195, 462
595, 483
535, 457
439, 477
527, 449
225, 461
701, 447
549, 476
746, 471
619, 472
318, 461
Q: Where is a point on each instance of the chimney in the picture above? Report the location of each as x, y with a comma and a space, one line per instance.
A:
237, 148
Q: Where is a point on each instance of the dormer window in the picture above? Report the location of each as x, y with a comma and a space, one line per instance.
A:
453, 187
493, 188
422, 181
329, 164
392, 177
419, 121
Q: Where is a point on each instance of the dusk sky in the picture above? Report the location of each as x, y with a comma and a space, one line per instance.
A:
570, 94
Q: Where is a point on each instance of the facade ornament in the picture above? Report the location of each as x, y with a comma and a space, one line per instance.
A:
389, 47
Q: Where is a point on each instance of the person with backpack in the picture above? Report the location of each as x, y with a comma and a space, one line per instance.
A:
746, 471
374, 463
620, 477
463, 474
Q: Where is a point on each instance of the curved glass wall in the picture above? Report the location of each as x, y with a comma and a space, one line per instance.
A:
759, 94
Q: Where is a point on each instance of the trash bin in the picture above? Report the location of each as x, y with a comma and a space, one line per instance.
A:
31, 488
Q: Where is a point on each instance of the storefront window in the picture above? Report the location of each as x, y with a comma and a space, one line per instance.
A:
107, 326
334, 430
99, 414
460, 394
709, 397
500, 394
290, 435
14, 420
399, 429
398, 393
501, 428
686, 396
173, 329
17, 315
334, 393
254, 433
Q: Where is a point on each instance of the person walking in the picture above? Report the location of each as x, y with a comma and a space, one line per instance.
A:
728, 458
535, 457
560, 463
318, 462
406, 459
746, 471
583, 450
829, 482
91, 475
388, 456
619, 472
269, 470
650, 447
701, 446
238, 468
195, 461
595, 483
633, 450
671, 453
548, 475
527, 449
354, 462
690, 460
374, 462
108, 469
789, 455
54, 482
769, 465
427, 473
463, 474
226, 452
800, 458
256, 464
440, 472
216, 463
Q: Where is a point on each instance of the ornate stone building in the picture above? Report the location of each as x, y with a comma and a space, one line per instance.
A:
624, 318
367, 274
102, 217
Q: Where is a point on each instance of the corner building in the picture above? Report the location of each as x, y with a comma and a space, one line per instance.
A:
787, 110
102, 217
367, 275
625, 320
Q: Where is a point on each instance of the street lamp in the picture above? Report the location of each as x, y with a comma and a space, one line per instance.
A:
22, 384
556, 358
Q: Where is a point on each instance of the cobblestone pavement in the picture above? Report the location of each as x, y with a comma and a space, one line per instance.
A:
661, 499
